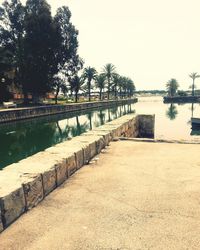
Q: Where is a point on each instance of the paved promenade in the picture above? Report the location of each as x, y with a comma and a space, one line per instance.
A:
138, 195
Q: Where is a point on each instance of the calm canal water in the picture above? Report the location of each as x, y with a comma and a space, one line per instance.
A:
22, 139
172, 121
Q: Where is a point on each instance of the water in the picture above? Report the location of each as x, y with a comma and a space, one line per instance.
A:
172, 121
22, 139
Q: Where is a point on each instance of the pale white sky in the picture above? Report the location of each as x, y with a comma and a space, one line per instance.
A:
150, 41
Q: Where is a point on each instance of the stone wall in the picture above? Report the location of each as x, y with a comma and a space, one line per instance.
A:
26, 183
9, 115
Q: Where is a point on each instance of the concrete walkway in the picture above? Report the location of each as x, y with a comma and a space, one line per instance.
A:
137, 196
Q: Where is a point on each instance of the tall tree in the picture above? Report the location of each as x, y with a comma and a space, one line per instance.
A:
12, 37
109, 72
89, 74
59, 85
100, 84
116, 83
76, 83
40, 42
193, 76
67, 50
172, 87
5, 79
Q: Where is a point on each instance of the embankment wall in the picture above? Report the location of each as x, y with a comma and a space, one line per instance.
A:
26, 183
15, 114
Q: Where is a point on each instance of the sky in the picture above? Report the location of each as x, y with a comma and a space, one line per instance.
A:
150, 41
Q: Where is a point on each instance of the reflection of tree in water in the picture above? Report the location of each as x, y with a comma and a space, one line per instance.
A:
192, 109
114, 112
26, 141
172, 112
101, 118
89, 116
79, 128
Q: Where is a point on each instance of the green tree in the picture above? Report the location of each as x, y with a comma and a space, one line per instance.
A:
76, 83
67, 56
100, 84
116, 83
109, 72
5, 81
59, 85
193, 76
89, 74
12, 38
40, 43
172, 87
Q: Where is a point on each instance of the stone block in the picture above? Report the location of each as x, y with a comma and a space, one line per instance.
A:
79, 158
40, 164
71, 164
63, 152
1, 223
33, 190
49, 181
61, 172
73, 147
12, 202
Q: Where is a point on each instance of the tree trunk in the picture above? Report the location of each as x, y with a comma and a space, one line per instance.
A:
76, 97
108, 88
115, 92
56, 95
100, 94
193, 88
89, 90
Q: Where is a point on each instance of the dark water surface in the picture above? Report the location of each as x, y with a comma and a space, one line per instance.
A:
24, 138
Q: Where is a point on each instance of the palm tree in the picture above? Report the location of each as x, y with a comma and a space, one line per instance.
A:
109, 71
89, 74
130, 87
172, 86
76, 83
100, 84
193, 76
116, 83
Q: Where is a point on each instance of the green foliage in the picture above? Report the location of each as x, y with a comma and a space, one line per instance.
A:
193, 76
109, 71
41, 45
172, 87
100, 84
182, 93
89, 74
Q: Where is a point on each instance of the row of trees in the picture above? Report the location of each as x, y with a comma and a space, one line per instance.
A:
39, 54
108, 80
172, 85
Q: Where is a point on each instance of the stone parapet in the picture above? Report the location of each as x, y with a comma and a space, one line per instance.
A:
26, 183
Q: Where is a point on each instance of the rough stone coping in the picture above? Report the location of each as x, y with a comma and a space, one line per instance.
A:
26, 183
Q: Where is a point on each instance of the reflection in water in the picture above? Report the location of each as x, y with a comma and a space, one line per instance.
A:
24, 138
192, 109
172, 112
173, 123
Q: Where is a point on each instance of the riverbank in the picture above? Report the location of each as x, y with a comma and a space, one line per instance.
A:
16, 114
25, 184
137, 195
